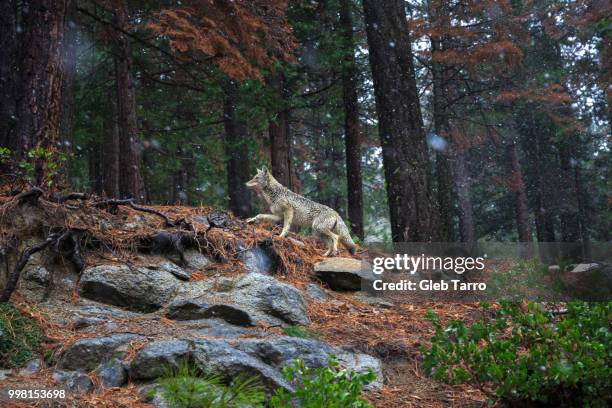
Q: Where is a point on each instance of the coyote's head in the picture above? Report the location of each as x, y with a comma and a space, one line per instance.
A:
262, 179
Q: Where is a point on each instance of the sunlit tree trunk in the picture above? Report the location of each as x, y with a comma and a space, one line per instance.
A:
352, 131
412, 211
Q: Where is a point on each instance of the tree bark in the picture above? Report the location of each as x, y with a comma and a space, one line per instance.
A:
237, 156
352, 129
280, 136
463, 184
68, 91
130, 153
444, 172
517, 186
96, 181
9, 70
110, 150
412, 212
568, 212
40, 96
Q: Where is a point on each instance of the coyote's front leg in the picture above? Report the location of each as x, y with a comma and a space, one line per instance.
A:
287, 220
265, 218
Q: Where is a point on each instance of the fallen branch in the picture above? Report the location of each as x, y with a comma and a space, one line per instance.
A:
11, 284
30, 197
72, 196
130, 203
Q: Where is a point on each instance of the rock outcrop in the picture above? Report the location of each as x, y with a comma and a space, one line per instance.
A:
244, 300
136, 288
344, 274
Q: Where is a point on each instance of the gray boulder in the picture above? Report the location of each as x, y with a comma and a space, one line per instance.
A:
344, 274
193, 310
361, 363
315, 292
220, 329
261, 258
75, 381
217, 357
32, 367
87, 354
194, 259
174, 269
35, 281
260, 297
156, 358
113, 374
139, 289
282, 351
589, 281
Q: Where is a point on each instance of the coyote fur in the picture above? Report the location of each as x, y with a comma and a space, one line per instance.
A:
293, 209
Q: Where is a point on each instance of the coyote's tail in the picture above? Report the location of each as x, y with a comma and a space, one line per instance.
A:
345, 236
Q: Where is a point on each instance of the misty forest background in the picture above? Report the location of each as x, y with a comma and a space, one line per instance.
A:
416, 120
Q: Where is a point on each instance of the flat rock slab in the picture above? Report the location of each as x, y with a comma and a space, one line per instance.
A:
218, 357
193, 310
155, 359
244, 300
135, 288
343, 274
87, 354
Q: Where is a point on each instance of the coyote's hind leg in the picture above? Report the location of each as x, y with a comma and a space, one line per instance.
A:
323, 228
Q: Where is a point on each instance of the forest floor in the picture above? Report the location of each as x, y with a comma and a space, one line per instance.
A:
111, 232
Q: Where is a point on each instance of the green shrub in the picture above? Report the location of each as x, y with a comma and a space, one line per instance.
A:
532, 356
300, 331
326, 387
186, 387
20, 337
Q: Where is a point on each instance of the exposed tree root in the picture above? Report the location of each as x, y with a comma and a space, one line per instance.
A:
21, 263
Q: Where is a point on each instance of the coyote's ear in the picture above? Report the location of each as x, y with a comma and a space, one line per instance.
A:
264, 170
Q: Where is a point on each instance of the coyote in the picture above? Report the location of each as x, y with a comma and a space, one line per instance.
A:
293, 209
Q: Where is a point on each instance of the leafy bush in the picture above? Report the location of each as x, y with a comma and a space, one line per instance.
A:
49, 161
326, 387
20, 337
529, 356
300, 331
186, 387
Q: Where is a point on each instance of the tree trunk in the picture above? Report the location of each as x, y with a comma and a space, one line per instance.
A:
95, 168
412, 212
130, 153
68, 91
110, 151
352, 130
569, 214
9, 70
463, 184
40, 95
440, 18
237, 156
517, 186
280, 136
